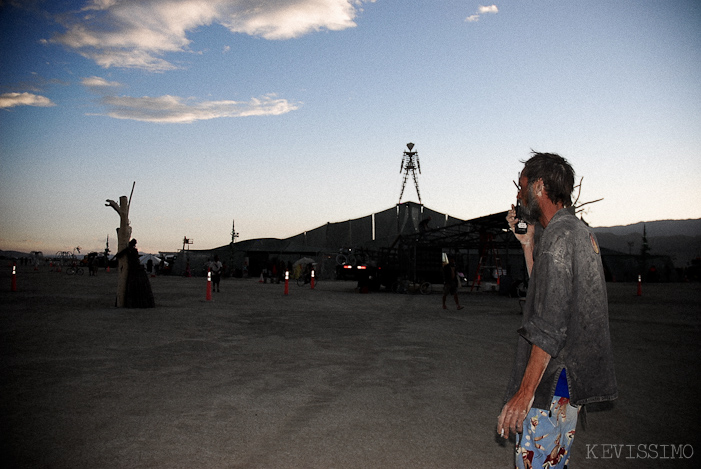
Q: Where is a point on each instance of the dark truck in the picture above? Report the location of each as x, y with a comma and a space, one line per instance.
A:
396, 268
410, 263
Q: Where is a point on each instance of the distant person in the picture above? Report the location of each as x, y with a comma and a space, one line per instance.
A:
92, 266
215, 267
563, 358
308, 273
138, 293
451, 282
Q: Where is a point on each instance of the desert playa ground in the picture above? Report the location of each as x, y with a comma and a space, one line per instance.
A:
323, 378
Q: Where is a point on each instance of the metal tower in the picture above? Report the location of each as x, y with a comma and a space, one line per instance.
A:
410, 163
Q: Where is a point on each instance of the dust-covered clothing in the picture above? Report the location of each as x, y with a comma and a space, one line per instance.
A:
566, 315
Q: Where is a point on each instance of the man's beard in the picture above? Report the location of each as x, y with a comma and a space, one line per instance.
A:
530, 212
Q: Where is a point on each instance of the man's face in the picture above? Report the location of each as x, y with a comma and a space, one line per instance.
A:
530, 208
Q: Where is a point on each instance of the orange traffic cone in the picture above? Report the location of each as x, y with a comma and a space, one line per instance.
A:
209, 286
261, 278
14, 276
640, 285
313, 282
287, 282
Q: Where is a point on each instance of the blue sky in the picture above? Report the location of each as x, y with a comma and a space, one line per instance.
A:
288, 114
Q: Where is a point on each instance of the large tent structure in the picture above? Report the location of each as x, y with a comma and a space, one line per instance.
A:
407, 231
409, 234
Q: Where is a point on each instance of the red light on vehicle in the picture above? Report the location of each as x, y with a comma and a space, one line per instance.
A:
347, 266
362, 267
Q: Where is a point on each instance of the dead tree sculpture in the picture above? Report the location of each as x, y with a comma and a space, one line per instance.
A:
123, 237
577, 206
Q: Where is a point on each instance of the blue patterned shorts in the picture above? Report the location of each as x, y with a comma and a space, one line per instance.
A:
547, 436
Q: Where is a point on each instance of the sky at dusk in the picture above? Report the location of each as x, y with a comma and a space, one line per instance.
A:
284, 115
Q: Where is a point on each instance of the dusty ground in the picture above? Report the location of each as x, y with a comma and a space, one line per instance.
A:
319, 378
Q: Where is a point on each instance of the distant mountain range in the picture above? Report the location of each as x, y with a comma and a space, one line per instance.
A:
656, 228
678, 239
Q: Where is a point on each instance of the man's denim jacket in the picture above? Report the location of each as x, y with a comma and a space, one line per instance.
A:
566, 314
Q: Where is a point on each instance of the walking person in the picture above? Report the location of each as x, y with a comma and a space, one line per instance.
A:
451, 282
215, 267
563, 358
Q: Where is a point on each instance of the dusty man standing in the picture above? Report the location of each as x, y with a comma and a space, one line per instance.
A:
563, 358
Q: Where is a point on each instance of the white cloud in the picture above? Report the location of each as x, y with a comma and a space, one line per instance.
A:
488, 9
128, 59
481, 11
173, 109
8, 100
99, 83
136, 33
99, 5
287, 19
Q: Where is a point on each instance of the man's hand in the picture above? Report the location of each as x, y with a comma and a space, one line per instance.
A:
524, 239
513, 414
515, 411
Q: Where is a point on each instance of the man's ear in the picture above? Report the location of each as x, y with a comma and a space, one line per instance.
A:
539, 187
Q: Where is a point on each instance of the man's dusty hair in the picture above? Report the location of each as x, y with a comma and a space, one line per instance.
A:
557, 175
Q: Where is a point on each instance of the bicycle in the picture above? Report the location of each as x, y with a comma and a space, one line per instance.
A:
407, 286
346, 256
74, 270
303, 279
